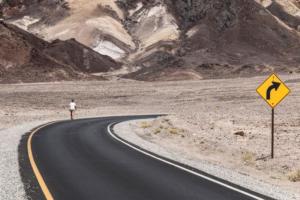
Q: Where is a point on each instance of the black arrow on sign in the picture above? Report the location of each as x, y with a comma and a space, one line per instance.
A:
275, 85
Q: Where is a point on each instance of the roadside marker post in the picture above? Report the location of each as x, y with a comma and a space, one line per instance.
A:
273, 91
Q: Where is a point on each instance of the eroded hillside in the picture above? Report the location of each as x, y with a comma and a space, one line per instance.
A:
286, 10
173, 39
27, 58
223, 38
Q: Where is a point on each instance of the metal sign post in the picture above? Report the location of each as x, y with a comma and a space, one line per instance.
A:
273, 91
272, 135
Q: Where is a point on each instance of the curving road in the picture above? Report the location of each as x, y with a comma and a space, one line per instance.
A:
81, 160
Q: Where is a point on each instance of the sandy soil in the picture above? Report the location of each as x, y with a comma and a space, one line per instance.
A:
209, 111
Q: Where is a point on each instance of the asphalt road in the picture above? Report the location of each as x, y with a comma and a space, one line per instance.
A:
80, 160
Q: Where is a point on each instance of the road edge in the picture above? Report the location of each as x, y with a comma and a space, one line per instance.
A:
34, 167
33, 182
184, 167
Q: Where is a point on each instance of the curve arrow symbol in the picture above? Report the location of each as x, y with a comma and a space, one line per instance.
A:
275, 85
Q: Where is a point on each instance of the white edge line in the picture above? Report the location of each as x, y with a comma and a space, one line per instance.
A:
182, 168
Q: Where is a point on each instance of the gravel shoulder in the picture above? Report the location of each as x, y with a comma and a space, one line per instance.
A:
11, 185
133, 132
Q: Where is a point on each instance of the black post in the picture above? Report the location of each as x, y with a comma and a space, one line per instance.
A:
272, 132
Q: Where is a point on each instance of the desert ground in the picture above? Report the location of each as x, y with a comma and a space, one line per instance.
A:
221, 124
204, 117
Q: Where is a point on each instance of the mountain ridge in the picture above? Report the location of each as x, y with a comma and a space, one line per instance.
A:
27, 58
163, 39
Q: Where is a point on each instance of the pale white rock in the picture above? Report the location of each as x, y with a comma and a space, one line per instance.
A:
25, 22
110, 49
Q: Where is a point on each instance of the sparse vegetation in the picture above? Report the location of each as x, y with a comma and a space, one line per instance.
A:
248, 157
294, 176
157, 131
145, 125
163, 126
174, 131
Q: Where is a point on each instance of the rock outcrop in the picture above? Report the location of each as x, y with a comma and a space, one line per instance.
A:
27, 58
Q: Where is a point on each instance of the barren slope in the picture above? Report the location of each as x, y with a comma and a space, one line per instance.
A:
26, 58
286, 10
223, 39
22, 60
174, 39
96, 24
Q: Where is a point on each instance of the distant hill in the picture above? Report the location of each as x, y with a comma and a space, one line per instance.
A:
172, 39
27, 58
222, 39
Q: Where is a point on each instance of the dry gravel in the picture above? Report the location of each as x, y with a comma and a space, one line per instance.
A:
210, 110
11, 186
193, 152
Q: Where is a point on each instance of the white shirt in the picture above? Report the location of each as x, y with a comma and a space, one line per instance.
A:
73, 106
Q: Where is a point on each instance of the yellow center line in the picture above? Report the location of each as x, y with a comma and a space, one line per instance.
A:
35, 169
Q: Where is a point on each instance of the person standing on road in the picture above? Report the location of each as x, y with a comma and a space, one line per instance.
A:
72, 108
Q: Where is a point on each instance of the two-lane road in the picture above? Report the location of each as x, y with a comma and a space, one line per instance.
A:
81, 160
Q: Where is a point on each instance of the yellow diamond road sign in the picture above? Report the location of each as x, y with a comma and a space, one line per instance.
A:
273, 90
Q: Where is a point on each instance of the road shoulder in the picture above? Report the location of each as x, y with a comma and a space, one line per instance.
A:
16, 180
128, 131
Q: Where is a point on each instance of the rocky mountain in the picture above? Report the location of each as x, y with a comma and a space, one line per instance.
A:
27, 58
172, 39
286, 10
223, 38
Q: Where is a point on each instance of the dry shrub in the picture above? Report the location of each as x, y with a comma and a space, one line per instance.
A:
248, 157
157, 131
294, 176
145, 125
174, 131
